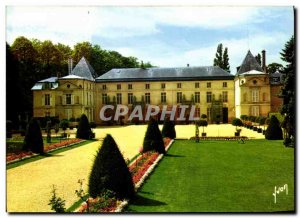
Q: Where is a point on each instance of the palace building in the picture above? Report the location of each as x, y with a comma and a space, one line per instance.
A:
211, 90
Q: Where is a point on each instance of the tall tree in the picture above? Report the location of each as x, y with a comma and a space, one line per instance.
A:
258, 58
218, 61
222, 59
82, 49
273, 67
226, 61
288, 90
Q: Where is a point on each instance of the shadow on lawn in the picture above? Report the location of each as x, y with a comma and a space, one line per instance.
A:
173, 155
143, 201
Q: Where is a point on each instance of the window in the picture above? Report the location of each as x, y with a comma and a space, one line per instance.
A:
197, 112
208, 97
87, 98
129, 86
255, 110
104, 86
208, 85
119, 86
163, 85
119, 98
47, 99
147, 98
104, 98
163, 97
147, 86
208, 113
224, 84
178, 85
225, 96
197, 97
130, 98
255, 95
68, 99
77, 100
197, 85
179, 97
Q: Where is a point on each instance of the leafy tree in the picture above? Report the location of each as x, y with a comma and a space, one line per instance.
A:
273, 67
83, 49
273, 131
236, 122
222, 59
168, 129
153, 139
258, 58
110, 172
23, 50
288, 89
33, 140
84, 130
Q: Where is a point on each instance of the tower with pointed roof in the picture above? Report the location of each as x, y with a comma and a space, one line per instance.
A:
252, 89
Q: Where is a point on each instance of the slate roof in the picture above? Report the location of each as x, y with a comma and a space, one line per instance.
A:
165, 74
84, 69
72, 77
50, 80
249, 63
49, 83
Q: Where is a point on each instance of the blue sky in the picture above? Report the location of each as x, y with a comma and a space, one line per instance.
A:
165, 36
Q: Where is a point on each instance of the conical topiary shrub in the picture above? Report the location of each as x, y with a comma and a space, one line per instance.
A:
153, 139
168, 129
33, 140
274, 131
110, 172
84, 130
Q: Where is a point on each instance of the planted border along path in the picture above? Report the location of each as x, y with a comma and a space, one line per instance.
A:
219, 176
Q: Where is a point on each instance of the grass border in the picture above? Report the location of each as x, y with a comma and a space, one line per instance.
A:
49, 154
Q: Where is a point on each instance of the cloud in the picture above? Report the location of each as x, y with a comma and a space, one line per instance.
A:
117, 22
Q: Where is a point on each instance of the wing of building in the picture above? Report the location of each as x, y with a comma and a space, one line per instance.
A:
213, 91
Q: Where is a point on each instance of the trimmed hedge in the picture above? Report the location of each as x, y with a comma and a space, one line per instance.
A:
84, 130
153, 140
33, 140
274, 131
110, 172
168, 129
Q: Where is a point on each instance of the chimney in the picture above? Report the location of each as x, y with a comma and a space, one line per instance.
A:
188, 65
264, 61
70, 65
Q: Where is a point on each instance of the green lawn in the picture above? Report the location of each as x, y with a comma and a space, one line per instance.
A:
219, 176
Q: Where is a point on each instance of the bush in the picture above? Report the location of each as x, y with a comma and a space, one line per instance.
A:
72, 119
244, 117
84, 130
274, 131
33, 140
110, 172
168, 129
202, 123
64, 124
57, 204
252, 118
153, 138
203, 116
262, 120
237, 122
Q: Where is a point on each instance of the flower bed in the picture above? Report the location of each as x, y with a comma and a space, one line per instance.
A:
13, 157
140, 169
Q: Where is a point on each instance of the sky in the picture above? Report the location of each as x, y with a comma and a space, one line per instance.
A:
169, 36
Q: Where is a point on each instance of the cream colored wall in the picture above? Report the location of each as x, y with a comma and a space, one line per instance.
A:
187, 88
262, 86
